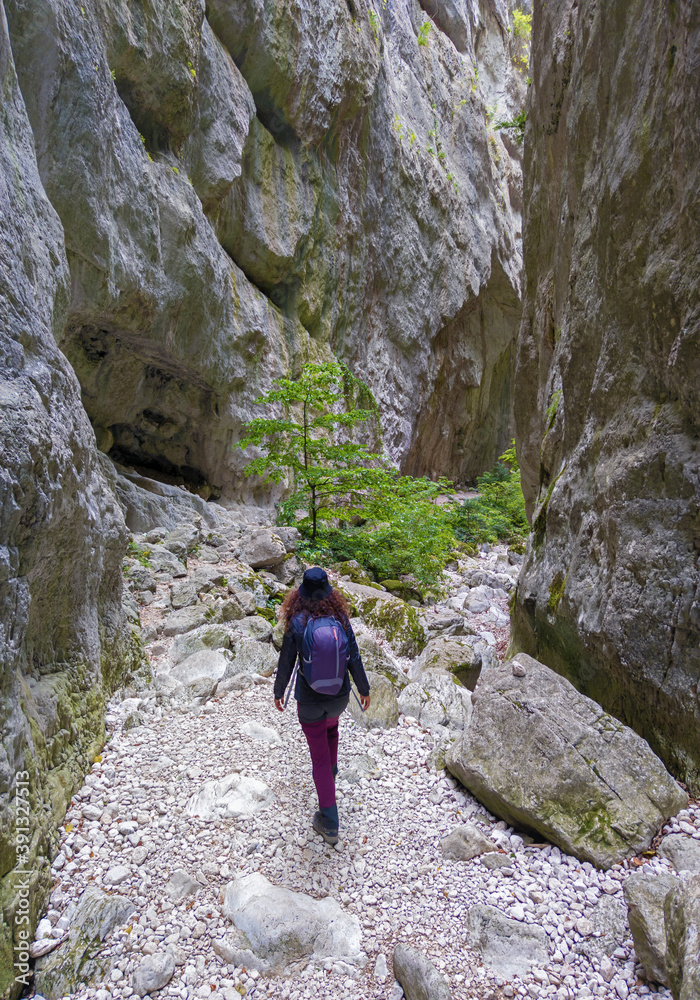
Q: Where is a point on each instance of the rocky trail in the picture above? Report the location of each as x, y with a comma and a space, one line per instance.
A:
192, 836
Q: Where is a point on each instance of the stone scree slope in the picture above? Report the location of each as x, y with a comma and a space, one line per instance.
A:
608, 364
187, 863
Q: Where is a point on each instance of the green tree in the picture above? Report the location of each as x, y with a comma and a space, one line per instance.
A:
352, 503
304, 442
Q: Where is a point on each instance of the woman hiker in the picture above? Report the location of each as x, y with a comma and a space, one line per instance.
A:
322, 649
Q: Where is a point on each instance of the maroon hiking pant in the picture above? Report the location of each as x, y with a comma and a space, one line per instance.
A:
322, 737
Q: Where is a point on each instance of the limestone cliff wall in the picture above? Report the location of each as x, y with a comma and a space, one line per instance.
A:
63, 643
195, 199
247, 185
607, 393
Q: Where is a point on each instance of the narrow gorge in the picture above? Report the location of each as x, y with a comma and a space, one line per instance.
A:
201, 198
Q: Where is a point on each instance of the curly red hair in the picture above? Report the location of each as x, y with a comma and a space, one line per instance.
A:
333, 606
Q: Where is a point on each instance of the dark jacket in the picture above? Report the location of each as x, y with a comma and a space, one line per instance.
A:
291, 650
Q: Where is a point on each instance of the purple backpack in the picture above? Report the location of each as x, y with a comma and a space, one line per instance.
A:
324, 655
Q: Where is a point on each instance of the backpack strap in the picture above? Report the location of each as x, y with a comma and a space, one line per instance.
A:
292, 679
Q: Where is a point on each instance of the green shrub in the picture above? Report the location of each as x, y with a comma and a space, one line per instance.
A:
522, 25
141, 555
423, 33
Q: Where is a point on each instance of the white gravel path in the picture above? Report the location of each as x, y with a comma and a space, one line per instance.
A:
387, 867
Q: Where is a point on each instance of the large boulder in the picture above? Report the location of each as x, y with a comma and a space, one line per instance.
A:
418, 976
645, 895
395, 620
262, 547
209, 663
383, 711
437, 700
252, 657
204, 637
185, 620
82, 959
275, 927
452, 654
544, 757
682, 912
234, 796
377, 656
607, 378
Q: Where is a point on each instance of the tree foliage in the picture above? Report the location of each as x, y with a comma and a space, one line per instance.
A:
350, 503
304, 441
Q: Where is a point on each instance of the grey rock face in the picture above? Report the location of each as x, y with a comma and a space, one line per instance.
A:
418, 976
682, 911
275, 927
508, 946
78, 961
64, 643
148, 503
236, 188
544, 757
645, 895
608, 367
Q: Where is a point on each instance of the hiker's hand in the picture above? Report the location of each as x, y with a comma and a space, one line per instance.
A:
364, 702
279, 704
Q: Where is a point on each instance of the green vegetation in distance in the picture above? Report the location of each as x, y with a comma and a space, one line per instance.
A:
498, 513
349, 502
423, 33
517, 124
325, 470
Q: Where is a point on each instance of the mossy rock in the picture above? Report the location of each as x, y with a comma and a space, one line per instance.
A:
397, 588
395, 620
270, 614
352, 569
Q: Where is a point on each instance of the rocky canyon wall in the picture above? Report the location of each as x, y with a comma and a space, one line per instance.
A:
63, 642
196, 199
607, 391
244, 186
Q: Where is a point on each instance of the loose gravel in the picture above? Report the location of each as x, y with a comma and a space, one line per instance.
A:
395, 808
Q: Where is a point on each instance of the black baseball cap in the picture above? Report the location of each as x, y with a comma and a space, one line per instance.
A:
315, 585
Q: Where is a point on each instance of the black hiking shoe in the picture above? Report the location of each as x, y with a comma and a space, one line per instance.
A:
326, 829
